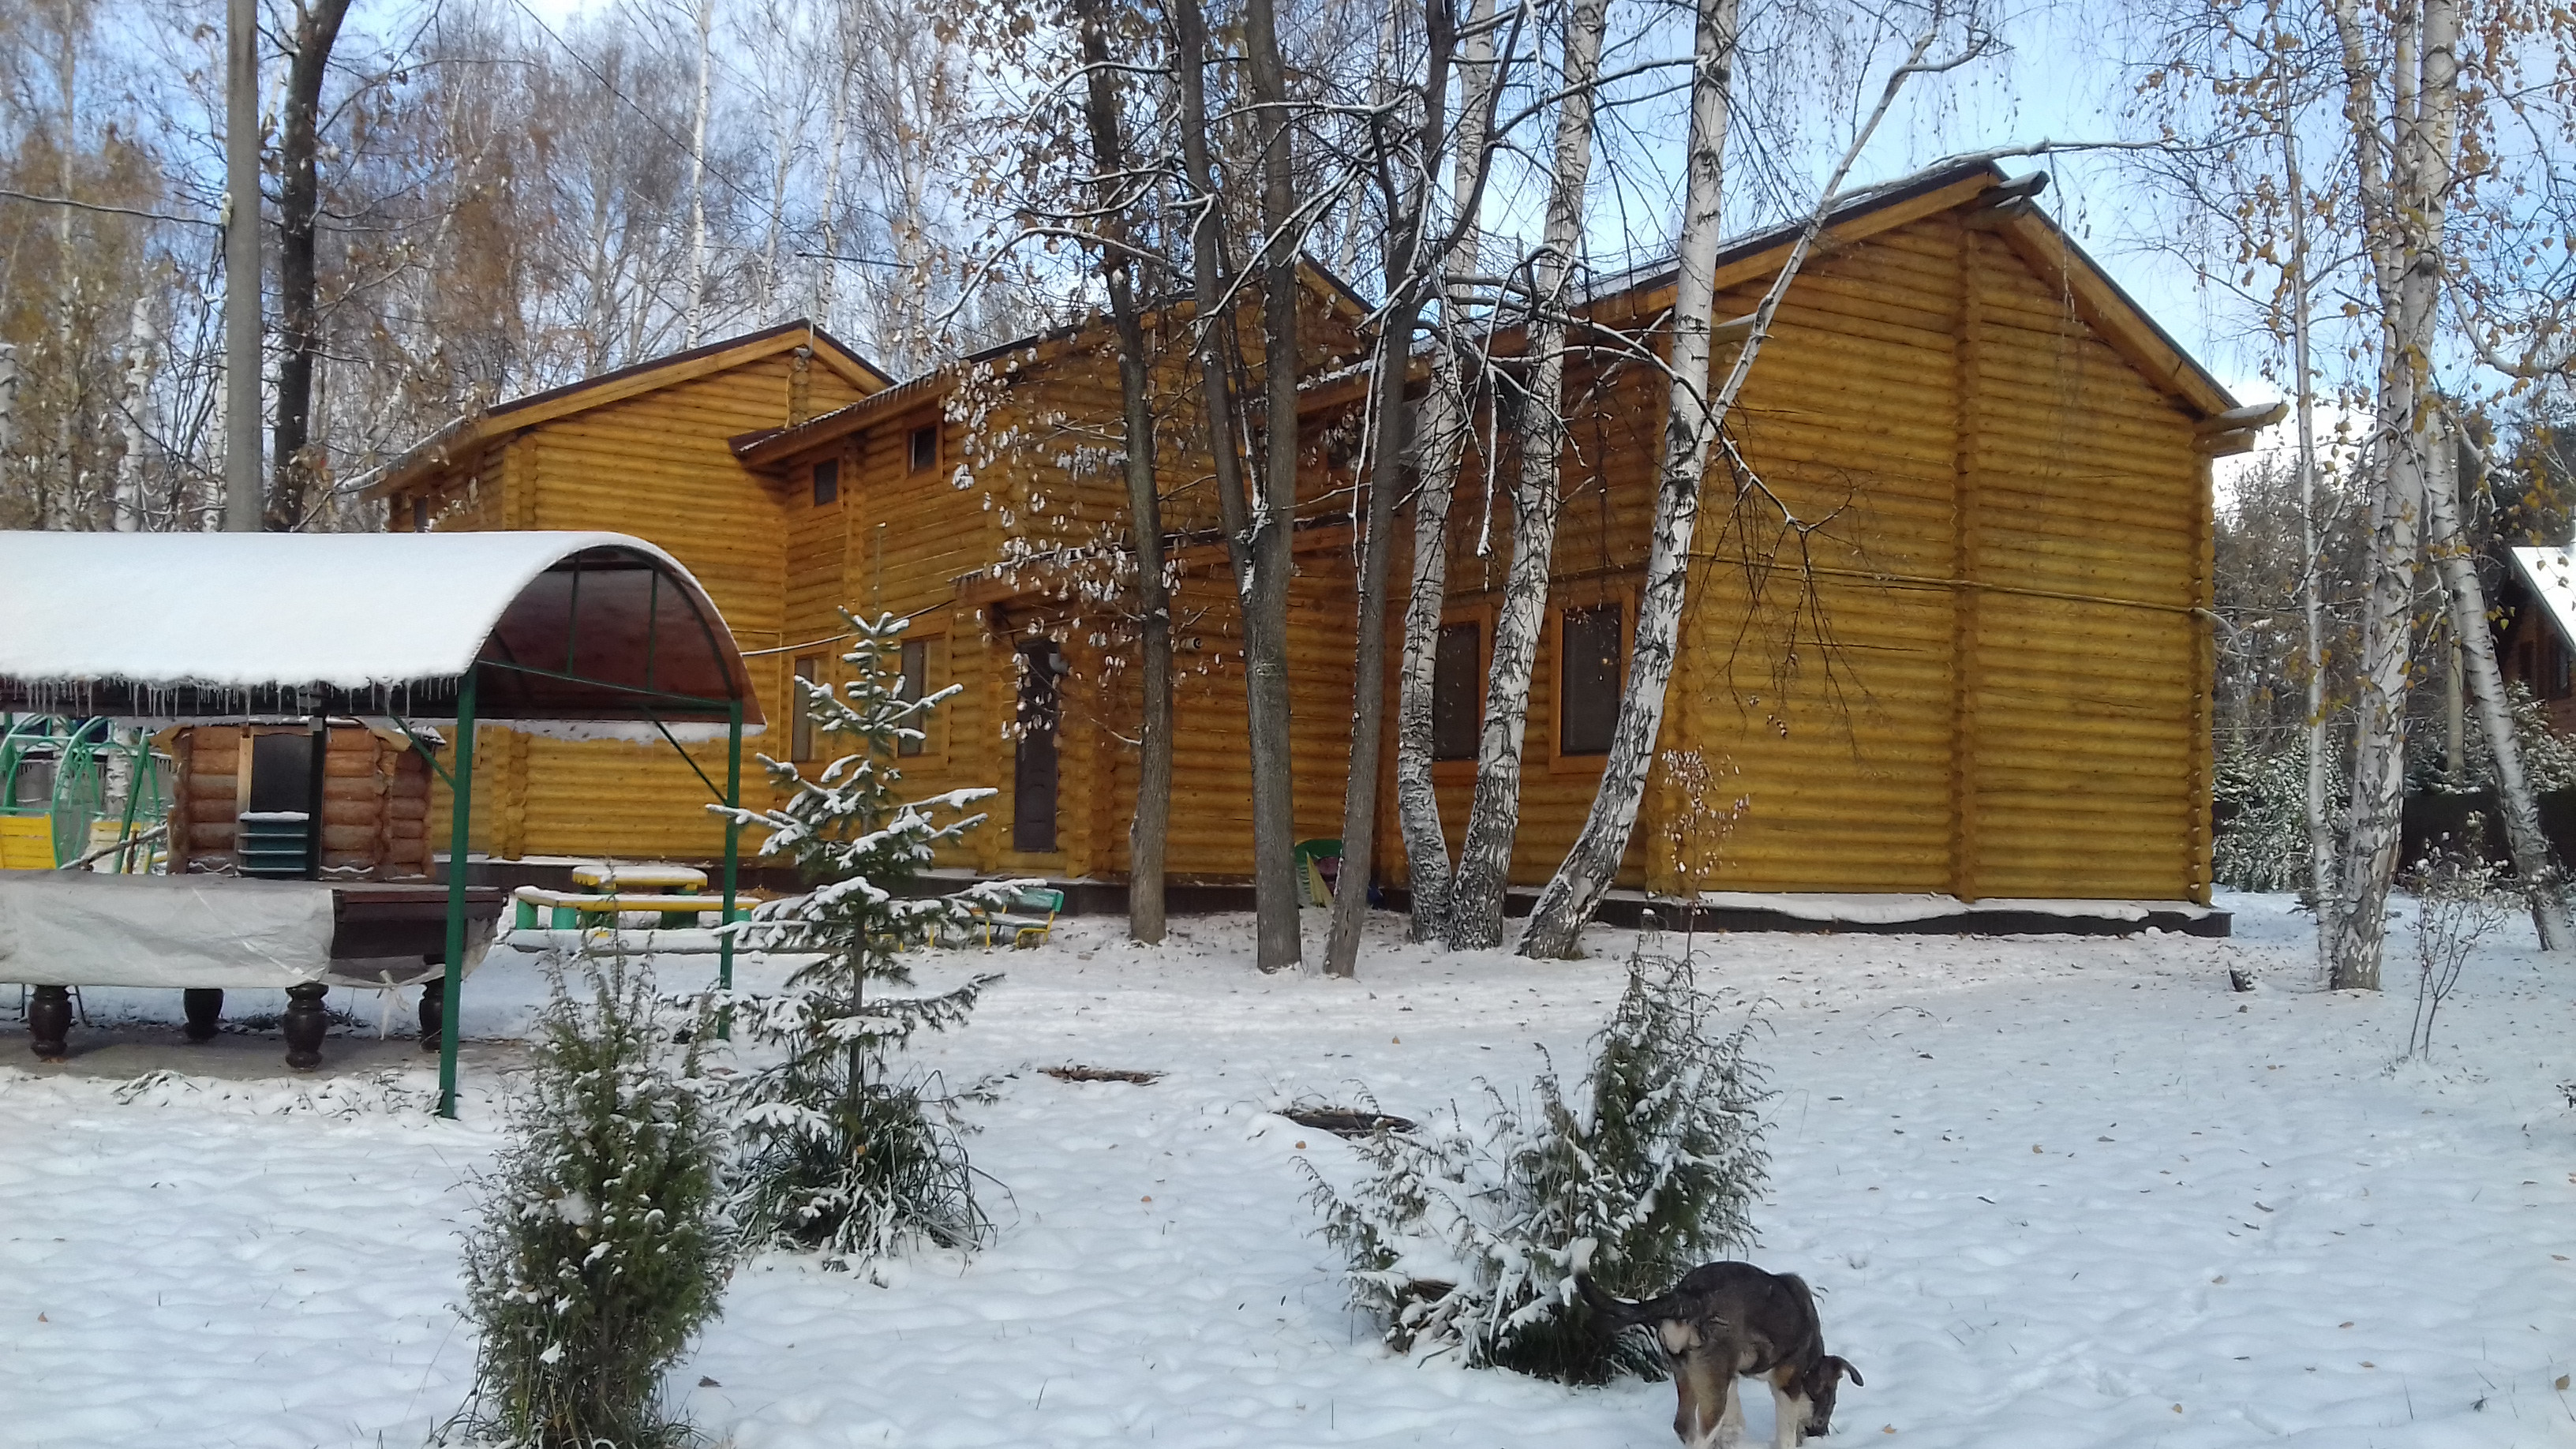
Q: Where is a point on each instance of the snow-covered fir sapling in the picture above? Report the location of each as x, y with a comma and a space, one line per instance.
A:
603, 1245
1464, 1239
844, 1153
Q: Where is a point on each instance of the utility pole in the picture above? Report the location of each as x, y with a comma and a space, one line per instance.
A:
242, 471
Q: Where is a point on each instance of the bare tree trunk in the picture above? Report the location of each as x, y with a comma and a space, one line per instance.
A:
1264, 590
8, 395
2402, 229
1152, 821
698, 175
1440, 442
2538, 875
1413, 264
1692, 424
299, 194
130, 511
2321, 842
827, 266
1485, 859
1274, 885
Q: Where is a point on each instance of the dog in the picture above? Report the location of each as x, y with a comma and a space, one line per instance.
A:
1725, 1321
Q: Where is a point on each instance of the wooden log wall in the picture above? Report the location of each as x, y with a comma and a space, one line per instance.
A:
375, 800
656, 465
1992, 684
1036, 437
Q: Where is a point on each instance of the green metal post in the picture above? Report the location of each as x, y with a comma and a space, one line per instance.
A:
733, 857
460, 821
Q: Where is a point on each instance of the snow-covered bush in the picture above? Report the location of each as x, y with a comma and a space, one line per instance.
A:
1464, 1237
2261, 805
2460, 895
845, 1154
602, 1247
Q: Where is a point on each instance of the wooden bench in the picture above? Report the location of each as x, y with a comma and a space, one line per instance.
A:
568, 908
1029, 919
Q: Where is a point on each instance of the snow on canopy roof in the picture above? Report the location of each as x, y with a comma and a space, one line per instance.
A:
566, 628
2552, 575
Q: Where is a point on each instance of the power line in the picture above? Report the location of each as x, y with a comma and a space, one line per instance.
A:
111, 210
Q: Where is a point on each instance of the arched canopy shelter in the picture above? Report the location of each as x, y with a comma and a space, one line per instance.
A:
579, 634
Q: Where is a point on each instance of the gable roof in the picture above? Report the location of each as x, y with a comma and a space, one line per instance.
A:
2031, 233
459, 438
772, 446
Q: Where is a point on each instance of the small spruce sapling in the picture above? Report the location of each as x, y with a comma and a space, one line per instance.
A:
845, 1155
603, 1246
1464, 1240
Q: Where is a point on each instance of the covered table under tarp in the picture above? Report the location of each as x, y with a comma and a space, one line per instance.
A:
582, 635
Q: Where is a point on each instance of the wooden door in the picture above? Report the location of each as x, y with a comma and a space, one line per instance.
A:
1033, 777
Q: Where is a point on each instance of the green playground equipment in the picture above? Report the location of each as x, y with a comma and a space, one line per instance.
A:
76, 789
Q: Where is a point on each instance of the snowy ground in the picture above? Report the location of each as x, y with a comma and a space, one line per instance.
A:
2053, 1192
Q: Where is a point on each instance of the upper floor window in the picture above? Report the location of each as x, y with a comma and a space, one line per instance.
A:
827, 481
925, 447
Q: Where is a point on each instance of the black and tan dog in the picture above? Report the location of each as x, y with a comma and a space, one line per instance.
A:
1724, 1321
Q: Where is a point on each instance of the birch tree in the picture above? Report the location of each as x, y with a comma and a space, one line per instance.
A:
706, 18
1407, 168
2534, 871
1475, 906
1440, 442
2403, 162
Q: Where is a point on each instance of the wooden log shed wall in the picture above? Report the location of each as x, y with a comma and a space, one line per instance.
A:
643, 450
1997, 687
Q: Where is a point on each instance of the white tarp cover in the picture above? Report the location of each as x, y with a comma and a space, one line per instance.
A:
75, 928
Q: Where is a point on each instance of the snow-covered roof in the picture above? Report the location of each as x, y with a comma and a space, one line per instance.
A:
567, 627
2551, 572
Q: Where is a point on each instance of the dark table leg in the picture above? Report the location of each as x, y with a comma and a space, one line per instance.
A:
205, 1007
433, 1012
304, 1025
49, 1022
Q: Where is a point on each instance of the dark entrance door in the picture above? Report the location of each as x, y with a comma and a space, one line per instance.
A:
1033, 780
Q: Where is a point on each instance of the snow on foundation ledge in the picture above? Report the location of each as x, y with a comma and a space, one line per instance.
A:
1932, 911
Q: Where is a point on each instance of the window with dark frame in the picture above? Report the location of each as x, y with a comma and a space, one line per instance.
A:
827, 482
800, 735
916, 684
925, 447
1456, 661
1587, 701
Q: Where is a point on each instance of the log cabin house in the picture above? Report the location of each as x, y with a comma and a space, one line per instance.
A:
641, 450
1991, 676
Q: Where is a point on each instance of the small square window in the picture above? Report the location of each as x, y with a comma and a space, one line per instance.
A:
916, 684
1454, 702
1587, 709
800, 737
827, 481
925, 447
